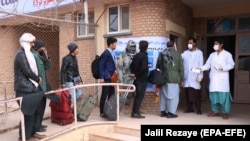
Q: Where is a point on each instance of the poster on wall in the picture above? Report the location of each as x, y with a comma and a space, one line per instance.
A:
156, 45
28, 6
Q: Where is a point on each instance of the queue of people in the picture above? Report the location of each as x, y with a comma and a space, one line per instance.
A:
181, 70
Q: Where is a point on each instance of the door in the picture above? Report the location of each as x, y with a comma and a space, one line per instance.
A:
242, 69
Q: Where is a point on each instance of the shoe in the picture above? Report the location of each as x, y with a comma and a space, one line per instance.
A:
137, 116
225, 116
39, 136
213, 114
163, 114
189, 111
41, 130
103, 116
44, 126
199, 112
171, 115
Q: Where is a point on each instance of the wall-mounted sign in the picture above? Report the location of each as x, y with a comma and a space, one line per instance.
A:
28, 6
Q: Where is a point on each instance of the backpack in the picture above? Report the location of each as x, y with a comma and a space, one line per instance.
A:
95, 67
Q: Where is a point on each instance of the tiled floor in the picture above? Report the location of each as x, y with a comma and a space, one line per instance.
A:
240, 115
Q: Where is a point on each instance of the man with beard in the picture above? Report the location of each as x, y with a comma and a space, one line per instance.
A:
26, 85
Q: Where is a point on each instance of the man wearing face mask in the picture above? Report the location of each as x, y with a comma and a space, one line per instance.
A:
43, 64
220, 63
123, 62
192, 57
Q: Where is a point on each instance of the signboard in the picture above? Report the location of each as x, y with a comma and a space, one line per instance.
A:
28, 6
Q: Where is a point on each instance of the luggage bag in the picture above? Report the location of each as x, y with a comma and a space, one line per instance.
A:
109, 110
61, 113
85, 107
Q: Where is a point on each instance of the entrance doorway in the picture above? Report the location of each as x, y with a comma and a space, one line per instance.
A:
229, 45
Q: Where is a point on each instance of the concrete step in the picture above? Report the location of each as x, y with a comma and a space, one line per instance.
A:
127, 131
119, 133
112, 137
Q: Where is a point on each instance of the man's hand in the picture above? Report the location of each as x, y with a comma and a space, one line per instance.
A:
132, 76
40, 80
181, 84
63, 86
101, 81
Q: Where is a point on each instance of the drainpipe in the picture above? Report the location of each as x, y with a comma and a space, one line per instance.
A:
86, 15
96, 30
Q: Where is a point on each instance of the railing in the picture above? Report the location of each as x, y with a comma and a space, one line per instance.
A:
5, 91
119, 88
22, 116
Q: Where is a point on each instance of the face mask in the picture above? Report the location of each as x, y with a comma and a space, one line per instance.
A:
190, 46
131, 50
216, 47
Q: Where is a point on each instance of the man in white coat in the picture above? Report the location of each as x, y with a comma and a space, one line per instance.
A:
192, 57
220, 63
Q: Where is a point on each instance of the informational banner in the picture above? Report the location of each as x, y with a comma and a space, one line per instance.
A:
156, 45
28, 6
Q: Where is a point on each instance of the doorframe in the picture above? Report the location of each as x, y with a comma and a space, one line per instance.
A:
237, 72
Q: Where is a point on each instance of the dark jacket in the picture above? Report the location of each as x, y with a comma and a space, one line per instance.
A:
69, 68
139, 66
22, 73
23, 86
106, 65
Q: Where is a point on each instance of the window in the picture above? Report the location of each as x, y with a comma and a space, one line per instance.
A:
220, 25
85, 30
244, 24
118, 18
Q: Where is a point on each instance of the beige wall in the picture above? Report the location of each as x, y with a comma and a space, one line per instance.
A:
148, 18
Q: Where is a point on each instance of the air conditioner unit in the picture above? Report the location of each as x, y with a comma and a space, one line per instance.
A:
67, 17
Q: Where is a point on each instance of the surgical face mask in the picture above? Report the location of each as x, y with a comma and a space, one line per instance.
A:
216, 47
131, 50
190, 46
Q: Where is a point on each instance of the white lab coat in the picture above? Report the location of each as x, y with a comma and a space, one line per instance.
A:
219, 80
192, 59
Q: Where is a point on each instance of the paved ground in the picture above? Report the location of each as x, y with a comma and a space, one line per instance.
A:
240, 115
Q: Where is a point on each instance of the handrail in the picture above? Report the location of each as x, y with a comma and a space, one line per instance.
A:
120, 87
22, 116
5, 96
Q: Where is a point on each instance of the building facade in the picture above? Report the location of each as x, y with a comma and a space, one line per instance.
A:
173, 19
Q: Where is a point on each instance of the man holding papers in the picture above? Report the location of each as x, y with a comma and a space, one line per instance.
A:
192, 57
219, 63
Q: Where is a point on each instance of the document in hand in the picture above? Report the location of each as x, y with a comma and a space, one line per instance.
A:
196, 70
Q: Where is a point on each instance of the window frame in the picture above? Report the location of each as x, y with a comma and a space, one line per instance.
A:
119, 24
87, 28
